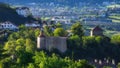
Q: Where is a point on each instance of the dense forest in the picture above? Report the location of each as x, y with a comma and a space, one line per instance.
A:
19, 50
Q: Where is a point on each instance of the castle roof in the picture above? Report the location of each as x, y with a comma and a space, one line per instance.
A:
97, 28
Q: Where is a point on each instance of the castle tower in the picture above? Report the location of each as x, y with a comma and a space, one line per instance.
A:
41, 41
97, 31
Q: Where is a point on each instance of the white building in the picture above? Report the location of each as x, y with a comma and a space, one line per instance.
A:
33, 24
24, 11
62, 20
8, 25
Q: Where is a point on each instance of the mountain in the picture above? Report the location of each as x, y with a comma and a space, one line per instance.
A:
64, 2
9, 14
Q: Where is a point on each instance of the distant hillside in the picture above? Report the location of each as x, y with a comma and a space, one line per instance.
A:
9, 14
64, 2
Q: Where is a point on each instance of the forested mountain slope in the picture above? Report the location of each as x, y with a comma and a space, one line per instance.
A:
70, 2
9, 14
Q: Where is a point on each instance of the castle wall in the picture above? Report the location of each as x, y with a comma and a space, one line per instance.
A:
96, 33
61, 44
49, 43
53, 42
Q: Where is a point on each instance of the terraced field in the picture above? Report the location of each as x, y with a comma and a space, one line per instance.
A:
115, 18
111, 33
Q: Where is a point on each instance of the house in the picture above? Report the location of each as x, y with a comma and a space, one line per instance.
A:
8, 25
50, 43
97, 31
23, 11
33, 24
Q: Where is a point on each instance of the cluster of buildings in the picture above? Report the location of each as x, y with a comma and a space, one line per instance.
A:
23, 11
52, 11
102, 63
63, 19
8, 25
11, 26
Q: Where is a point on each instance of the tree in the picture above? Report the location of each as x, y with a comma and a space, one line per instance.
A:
48, 31
83, 64
42, 60
60, 32
30, 47
58, 25
88, 41
20, 42
13, 36
24, 58
22, 27
1, 50
31, 65
118, 65
115, 39
37, 32
10, 47
74, 42
99, 39
1, 65
77, 29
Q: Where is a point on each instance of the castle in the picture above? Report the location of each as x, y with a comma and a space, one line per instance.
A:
50, 43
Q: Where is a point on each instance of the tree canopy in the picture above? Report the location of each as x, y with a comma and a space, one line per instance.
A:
77, 29
60, 32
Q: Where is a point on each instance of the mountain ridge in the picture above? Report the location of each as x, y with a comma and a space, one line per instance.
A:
58, 1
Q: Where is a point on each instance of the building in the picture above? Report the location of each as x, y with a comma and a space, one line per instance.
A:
32, 24
23, 11
50, 43
97, 31
106, 62
8, 25
62, 20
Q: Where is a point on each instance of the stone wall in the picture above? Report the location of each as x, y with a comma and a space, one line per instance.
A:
96, 33
50, 43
